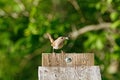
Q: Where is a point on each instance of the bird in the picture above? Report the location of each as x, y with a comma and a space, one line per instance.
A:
58, 43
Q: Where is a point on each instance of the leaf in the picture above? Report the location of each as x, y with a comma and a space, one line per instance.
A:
118, 41
115, 24
114, 16
109, 1
99, 44
98, 6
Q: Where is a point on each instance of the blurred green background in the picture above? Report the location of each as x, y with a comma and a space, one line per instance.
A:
93, 26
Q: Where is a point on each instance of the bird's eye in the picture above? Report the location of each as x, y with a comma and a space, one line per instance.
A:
61, 37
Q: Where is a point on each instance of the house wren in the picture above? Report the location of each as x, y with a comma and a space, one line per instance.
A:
58, 43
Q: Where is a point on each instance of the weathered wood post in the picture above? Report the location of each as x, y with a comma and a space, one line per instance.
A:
69, 66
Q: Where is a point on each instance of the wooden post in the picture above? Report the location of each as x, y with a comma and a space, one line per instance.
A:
69, 66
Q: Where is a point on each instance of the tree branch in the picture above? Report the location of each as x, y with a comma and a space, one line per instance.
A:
76, 6
75, 33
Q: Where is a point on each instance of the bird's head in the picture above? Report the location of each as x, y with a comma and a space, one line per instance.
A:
63, 38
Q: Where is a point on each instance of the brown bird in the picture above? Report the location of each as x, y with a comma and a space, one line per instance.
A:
58, 43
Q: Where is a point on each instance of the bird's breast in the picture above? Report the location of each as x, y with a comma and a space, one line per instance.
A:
57, 46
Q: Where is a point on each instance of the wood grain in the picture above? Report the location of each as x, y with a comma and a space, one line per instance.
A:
59, 59
69, 73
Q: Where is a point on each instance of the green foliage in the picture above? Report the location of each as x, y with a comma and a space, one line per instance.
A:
24, 23
114, 16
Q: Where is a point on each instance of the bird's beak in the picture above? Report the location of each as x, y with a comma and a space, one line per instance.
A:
66, 38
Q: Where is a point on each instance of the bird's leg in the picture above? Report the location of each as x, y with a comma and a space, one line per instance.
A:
53, 51
62, 52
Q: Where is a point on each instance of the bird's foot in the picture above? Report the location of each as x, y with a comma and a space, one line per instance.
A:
62, 52
53, 53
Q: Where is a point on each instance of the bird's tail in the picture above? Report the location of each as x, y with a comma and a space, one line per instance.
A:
50, 38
